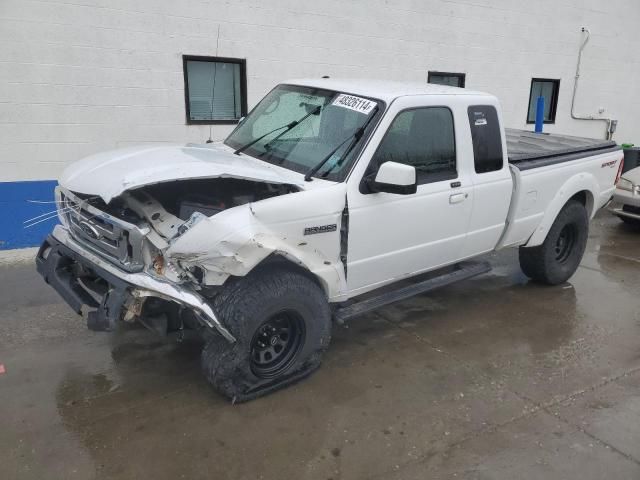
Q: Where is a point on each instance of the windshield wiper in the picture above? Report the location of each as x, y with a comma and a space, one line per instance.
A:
287, 127
354, 137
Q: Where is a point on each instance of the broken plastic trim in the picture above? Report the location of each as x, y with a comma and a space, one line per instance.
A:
344, 236
147, 283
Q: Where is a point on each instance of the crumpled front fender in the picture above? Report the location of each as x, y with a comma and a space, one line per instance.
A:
234, 242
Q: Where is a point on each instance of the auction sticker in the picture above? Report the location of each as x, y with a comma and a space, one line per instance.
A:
480, 119
352, 102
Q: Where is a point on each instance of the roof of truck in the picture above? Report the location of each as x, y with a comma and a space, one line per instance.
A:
386, 90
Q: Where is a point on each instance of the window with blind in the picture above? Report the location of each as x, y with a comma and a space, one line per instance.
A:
215, 89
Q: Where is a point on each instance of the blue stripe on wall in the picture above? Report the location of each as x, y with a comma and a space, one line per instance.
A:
17, 205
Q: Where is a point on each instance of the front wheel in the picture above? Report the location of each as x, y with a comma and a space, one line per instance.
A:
557, 259
282, 322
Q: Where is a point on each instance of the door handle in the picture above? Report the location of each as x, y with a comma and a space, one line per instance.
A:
457, 197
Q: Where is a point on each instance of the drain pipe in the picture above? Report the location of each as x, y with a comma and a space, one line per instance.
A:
611, 124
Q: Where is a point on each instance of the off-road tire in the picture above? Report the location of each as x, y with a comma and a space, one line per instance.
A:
555, 261
244, 306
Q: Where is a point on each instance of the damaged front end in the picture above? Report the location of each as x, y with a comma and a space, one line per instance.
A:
83, 278
114, 257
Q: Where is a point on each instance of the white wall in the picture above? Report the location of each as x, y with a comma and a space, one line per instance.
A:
80, 76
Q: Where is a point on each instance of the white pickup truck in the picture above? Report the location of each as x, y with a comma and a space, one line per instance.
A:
328, 190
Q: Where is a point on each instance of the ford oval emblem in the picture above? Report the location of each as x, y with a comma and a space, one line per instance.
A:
89, 230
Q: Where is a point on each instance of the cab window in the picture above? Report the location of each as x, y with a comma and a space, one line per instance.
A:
423, 138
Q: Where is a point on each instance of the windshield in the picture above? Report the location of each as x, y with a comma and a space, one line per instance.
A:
301, 126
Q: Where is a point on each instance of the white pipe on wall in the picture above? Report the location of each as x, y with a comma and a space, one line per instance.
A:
574, 115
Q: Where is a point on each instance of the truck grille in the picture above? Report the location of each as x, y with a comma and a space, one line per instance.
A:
118, 241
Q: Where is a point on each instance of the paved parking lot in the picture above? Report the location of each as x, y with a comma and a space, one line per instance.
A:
493, 378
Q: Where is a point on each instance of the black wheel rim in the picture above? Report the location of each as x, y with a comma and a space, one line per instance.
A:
565, 242
276, 344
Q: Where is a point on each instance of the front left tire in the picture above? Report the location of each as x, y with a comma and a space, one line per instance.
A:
282, 322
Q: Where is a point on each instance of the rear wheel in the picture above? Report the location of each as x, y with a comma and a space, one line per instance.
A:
557, 259
282, 322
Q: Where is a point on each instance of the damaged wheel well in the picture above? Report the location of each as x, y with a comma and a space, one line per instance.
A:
276, 261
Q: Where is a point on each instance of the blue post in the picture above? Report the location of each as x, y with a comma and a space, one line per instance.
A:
540, 114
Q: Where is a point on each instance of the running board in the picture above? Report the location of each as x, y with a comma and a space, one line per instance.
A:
462, 271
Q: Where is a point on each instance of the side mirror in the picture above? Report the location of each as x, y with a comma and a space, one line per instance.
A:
393, 177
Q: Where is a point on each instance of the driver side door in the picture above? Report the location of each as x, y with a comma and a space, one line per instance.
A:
392, 236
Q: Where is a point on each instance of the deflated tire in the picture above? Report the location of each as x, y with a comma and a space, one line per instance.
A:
282, 322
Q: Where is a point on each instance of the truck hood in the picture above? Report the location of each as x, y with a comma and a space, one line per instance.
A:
109, 174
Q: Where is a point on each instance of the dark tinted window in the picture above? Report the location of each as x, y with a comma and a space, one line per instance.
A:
450, 79
487, 141
423, 138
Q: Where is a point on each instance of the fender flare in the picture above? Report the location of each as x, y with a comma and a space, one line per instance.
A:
581, 182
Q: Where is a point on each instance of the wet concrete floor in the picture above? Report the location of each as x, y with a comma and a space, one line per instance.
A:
493, 378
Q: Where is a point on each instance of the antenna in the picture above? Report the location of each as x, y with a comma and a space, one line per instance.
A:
213, 86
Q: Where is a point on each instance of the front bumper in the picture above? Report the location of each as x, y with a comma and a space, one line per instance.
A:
59, 252
626, 203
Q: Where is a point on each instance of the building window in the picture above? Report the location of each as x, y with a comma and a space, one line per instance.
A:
548, 89
214, 89
445, 78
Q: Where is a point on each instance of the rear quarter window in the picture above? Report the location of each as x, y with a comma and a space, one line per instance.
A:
486, 137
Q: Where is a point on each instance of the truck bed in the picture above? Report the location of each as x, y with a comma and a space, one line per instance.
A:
528, 150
